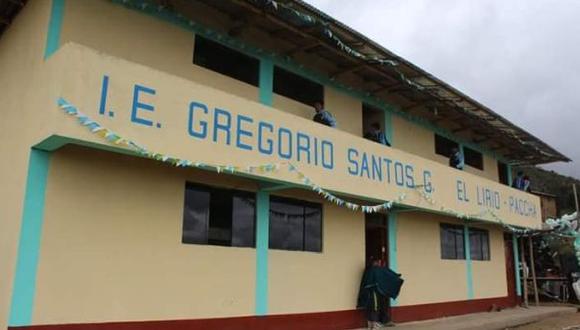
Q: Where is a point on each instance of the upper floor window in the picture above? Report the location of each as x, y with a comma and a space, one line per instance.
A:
473, 158
443, 145
452, 241
296, 87
502, 170
479, 244
216, 216
217, 57
295, 225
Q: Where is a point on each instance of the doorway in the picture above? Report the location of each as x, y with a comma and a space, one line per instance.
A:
376, 238
510, 269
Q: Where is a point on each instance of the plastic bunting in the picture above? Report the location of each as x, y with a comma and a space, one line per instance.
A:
562, 226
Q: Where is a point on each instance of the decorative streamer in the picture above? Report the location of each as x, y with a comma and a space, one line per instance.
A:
561, 226
116, 139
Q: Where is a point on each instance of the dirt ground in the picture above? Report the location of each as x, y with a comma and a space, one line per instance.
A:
566, 322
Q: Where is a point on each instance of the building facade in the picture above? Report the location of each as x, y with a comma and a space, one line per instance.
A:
161, 171
548, 205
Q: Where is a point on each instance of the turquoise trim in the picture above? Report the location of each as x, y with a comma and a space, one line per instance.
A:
517, 265
262, 242
389, 127
468, 263
392, 232
24, 286
54, 28
510, 175
266, 82
286, 63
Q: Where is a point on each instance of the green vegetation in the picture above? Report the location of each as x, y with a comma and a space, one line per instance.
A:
556, 184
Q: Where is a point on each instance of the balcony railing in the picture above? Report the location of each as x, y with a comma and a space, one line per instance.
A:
190, 121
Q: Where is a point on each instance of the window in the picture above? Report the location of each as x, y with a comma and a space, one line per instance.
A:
297, 88
218, 217
479, 244
473, 158
502, 170
295, 225
214, 56
452, 242
443, 146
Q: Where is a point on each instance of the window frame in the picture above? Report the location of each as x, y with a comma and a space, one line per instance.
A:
468, 154
503, 173
304, 85
443, 227
304, 204
231, 194
249, 62
444, 150
484, 238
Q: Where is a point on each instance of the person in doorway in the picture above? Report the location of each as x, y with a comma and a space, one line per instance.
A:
377, 285
456, 159
323, 116
377, 135
518, 182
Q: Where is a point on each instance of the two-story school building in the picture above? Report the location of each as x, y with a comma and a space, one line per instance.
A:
160, 169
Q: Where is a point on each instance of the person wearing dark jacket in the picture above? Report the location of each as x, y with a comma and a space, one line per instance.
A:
377, 285
377, 135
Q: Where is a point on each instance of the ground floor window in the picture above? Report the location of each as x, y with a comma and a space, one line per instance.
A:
479, 244
295, 225
452, 242
216, 216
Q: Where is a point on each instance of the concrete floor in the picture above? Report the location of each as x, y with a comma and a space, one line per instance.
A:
490, 321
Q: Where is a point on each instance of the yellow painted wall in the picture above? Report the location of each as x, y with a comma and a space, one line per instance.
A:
111, 246
291, 106
306, 282
346, 109
21, 52
147, 40
489, 276
415, 139
143, 39
428, 278
172, 99
112, 250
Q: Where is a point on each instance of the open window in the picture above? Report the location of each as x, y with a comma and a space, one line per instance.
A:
502, 170
443, 145
473, 158
227, 61
297, 87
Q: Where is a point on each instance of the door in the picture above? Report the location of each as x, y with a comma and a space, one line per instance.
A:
510, 268
376, 238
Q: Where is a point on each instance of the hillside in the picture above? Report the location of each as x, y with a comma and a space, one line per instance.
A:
556, 184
